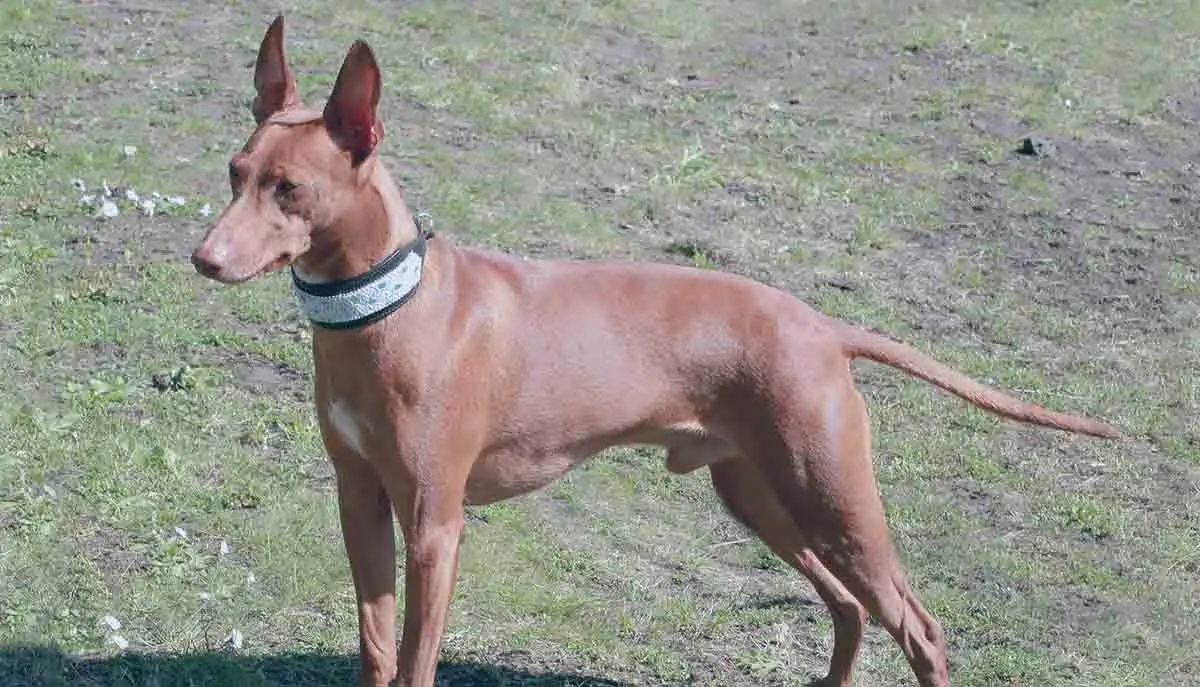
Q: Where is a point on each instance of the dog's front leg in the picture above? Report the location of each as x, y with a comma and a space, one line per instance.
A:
367, 530
431, 538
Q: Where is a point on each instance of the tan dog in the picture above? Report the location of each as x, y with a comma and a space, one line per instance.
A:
448, 376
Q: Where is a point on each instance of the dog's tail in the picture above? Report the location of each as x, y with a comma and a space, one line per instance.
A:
860, 343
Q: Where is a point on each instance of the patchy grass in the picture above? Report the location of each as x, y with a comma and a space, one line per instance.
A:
158, 452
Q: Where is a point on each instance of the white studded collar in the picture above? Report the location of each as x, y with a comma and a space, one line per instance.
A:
368, 297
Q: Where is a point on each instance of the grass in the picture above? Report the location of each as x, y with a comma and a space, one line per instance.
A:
858, 156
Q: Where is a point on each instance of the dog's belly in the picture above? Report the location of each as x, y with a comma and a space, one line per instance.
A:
507, 473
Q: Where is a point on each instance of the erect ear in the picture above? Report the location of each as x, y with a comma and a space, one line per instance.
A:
350, 115
272, 77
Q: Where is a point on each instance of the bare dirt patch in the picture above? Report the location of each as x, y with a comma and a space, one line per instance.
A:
261, 375
114, 555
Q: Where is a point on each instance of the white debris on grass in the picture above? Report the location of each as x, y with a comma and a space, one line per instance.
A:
181, 532
108, 209
204, 596
251, 579
234, 639
149, 205
129, 151
114, 625
224, 548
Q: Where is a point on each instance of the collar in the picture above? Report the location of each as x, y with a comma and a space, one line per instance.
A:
368, 297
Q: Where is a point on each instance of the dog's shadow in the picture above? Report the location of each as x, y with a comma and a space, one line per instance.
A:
43, 666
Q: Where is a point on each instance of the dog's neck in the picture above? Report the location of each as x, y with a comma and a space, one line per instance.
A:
366, 264
374, 224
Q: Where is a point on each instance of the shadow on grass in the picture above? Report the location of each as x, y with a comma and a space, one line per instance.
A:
43, 666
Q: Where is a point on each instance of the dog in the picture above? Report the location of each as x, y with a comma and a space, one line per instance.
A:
447, 376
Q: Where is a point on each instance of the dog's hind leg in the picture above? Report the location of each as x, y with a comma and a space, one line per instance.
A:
749, 499
822, 475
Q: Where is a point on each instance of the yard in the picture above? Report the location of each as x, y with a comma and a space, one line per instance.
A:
167, 515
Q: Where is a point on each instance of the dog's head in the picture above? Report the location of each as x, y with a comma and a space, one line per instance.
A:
300, 171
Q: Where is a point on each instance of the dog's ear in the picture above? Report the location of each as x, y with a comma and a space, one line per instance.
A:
350, 115
272, 77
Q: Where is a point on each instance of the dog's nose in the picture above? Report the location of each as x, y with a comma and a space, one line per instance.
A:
204, 264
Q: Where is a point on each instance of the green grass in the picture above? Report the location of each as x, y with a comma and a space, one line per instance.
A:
859, 156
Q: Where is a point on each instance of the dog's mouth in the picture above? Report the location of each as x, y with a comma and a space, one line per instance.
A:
272, 266
277, 264
233, 278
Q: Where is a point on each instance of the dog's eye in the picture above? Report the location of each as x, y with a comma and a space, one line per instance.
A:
285, 187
